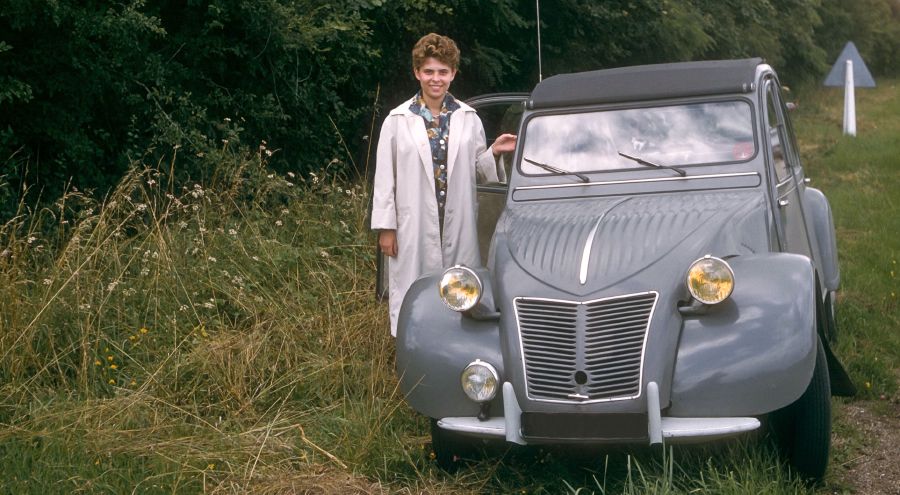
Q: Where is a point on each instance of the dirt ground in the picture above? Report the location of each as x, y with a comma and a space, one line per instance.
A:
874, 466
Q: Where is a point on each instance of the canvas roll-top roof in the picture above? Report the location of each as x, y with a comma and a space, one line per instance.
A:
646, 82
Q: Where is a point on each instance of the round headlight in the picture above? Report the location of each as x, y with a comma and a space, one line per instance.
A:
479, 381
710, 280
460, 288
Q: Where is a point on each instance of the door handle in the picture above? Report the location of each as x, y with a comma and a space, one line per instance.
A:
783, 202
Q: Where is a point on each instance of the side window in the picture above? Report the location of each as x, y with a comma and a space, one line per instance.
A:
776, 134
501, 118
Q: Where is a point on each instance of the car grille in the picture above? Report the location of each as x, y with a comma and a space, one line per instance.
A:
584, 351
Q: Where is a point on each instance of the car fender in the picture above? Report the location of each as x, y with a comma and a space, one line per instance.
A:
819, 213
754, 352
434, 345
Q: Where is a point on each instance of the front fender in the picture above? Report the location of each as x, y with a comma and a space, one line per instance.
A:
819, 213
434, 345
755, 352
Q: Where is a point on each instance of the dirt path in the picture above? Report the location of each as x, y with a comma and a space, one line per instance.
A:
873, 458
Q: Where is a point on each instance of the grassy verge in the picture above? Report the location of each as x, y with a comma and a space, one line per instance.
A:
223, 338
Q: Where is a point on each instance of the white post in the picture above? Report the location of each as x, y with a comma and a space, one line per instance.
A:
849, 100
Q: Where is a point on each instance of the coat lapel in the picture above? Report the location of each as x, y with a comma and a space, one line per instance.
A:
417, 130
457, 121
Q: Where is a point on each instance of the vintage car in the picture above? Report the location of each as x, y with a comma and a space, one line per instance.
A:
656, 270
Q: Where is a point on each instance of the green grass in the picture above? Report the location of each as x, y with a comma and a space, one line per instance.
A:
224, 338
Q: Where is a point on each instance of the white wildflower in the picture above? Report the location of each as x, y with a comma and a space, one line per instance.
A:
324, 254
232, 232
145, 271
47, 281
278, 223
112, 286
285, 211
31, 239
211, 259
291, 175
255, 258
141, 207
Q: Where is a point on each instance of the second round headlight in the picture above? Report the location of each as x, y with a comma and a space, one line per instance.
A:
710, 280
460, 288
479, 381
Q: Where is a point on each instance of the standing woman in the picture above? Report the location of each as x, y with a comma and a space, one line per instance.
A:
432, 148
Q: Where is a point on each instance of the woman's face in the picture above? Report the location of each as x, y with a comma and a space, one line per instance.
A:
434, 77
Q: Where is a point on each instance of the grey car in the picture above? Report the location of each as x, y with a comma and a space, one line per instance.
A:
657, 269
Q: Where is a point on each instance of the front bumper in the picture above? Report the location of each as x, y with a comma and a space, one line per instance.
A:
659, 428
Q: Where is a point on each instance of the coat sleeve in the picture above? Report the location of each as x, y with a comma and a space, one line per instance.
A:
485, 165
384, 212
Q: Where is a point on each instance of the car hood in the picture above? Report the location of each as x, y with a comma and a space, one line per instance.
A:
621, 237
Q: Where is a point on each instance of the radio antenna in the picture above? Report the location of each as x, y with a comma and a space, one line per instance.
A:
538, 8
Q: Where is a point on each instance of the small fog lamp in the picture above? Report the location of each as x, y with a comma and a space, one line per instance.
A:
479, 381
710, 280
460, 288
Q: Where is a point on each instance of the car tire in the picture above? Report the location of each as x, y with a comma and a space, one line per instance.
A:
803, 429
450, 448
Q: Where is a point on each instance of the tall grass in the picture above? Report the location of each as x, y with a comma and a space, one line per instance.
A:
223, 337
218, 336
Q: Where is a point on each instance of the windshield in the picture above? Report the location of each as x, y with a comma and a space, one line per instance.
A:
702, 133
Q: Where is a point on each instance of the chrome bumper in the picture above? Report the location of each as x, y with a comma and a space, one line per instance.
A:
658, 427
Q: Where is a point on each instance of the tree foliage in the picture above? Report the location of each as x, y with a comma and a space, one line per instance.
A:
87, 86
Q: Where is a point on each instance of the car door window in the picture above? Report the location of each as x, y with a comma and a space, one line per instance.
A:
500, 118
777, 139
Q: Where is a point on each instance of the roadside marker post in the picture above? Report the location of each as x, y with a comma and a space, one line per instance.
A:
850, 72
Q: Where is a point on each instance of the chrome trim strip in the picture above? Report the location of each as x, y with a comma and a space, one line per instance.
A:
586, 254
635, 181
643, 348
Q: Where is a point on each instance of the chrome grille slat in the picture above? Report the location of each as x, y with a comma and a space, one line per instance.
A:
604, 339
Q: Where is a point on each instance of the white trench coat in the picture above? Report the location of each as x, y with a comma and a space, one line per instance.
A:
404, 197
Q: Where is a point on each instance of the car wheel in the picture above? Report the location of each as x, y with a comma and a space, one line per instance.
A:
450, 448
803, 429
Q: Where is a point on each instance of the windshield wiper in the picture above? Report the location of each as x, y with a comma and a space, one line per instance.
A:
651, 164
558, 171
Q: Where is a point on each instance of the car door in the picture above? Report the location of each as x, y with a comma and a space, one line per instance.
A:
500, 113
787, 174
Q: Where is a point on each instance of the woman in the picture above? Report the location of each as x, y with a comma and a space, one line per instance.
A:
430, 150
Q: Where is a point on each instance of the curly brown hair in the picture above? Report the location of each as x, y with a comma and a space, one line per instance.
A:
440, 48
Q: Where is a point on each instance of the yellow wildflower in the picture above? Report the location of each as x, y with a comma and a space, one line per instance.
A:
109, 358
97, 362
132, 337
868, 385
144, 330
112, 382
113, 367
